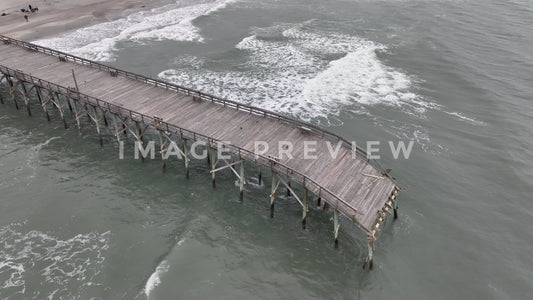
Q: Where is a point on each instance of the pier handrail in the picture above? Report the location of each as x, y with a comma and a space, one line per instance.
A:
280, 168
198, 94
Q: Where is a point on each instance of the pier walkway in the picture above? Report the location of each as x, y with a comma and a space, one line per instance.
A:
348, 183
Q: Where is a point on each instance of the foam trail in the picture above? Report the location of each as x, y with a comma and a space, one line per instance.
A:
465, 118
171, 22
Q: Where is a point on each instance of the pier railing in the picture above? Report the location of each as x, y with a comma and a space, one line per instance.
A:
275, 165
197, 94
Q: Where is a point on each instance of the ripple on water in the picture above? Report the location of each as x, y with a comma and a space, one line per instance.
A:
56, 267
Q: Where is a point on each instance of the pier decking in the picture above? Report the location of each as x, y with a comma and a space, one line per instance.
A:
349, 183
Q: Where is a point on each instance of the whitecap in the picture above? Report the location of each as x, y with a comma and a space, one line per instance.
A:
307, 74
155, 278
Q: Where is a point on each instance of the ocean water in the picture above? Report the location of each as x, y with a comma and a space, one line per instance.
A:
456, 77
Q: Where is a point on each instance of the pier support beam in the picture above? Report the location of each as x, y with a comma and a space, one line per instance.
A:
86, 111
213, 161
104, 117
305, 209
69, 105
25, 97
208, 158
117, 130
336, 227
241, 182
139, 135
230, 166
42, 101
125, 126
56, 100
77, 115
162, 149
186, 158
12, 91
275, 184
96, 120
302, 203
319, 201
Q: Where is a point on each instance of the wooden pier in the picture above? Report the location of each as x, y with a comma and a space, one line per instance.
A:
349, 183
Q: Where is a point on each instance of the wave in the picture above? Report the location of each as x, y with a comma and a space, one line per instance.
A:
308, 74
170, 22
155, 278
315, 75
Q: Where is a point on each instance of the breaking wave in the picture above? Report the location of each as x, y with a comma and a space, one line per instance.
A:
305, 73
170, 22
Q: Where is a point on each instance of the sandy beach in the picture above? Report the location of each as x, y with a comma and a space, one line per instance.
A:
59, 15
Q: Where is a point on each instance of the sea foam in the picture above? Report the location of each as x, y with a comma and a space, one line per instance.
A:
171, 22
51, 261
305, 73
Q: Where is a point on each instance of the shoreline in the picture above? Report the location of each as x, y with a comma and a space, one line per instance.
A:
57, 16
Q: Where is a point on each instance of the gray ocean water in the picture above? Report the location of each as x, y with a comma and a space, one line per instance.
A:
456, 77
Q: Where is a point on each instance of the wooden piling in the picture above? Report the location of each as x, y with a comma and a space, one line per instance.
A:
77, 115
336, 226
59, 107
275, 184
241, 181
213, 161
12, 91
25, 97
117, 130
305, 209
42, 101
97, 123
162, 150
186, 158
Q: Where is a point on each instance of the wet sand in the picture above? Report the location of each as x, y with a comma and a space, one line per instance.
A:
56, 16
